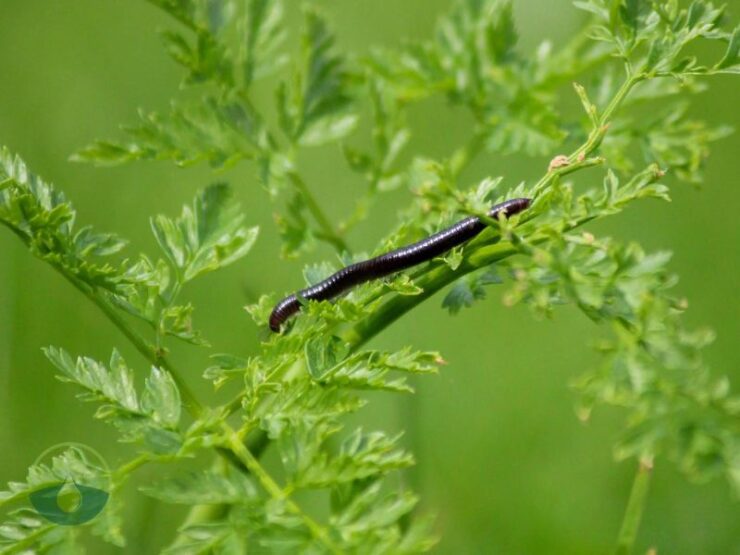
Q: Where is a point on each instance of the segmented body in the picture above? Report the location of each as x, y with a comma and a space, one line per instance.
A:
391, 262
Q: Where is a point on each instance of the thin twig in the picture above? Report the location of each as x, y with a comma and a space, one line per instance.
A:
327, 231
250, 461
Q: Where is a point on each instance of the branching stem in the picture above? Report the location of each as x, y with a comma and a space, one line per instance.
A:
438, 276
236, 445
147, 350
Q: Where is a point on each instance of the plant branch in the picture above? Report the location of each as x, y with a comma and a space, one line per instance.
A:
132, 465
21, 546
635, 507
464, 155
597, 134
236, 445
148, 351
327, 231
437, 277
236, 452
441, 275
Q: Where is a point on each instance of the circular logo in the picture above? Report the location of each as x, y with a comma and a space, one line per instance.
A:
76, 487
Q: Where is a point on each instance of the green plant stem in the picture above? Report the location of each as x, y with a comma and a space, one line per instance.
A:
327, 231
250, 461
148, 351
236, 448
191, 403
20, 546
132, 465
438, 276
464, 155
597, 135
635, 508
435, 279
578, 157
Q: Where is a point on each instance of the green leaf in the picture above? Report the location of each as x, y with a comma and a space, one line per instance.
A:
207, 236
161, 398
294, 228
217, 130
206, 60
470, 289
178, 322
588, 106
500, 31
372, 510
315, 110
263, 35
369, 369
44, 219
324, 354
203, 488
114, 385
360, 456
150, 419
404, 285
732, 54
629, 13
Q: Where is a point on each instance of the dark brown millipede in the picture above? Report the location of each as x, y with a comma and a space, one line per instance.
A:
391, 262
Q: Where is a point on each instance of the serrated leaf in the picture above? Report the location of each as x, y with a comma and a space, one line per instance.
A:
264, 34
732, 54
207, 236
360, 456
44, 219
161, 398
150, 419
315, 109
404, 285
324, 354
217, 130
203, 488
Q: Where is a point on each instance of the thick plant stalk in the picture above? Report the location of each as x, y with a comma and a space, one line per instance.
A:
635, 508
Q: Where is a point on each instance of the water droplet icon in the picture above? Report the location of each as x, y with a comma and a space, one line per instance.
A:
85, 503
72, 500
69, 498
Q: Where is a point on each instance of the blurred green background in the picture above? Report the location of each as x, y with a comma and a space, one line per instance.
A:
503, 461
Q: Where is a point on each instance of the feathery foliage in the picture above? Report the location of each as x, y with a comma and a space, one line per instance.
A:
297, 390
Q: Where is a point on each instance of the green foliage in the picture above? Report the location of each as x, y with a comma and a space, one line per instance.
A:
150, 418
25, 528
204, 488
313, 110
298, 390
652, 364
206, 237
43, 219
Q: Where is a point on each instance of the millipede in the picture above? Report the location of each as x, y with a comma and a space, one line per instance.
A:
391, 262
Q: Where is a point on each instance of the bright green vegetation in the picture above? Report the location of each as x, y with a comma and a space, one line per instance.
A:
633, 70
